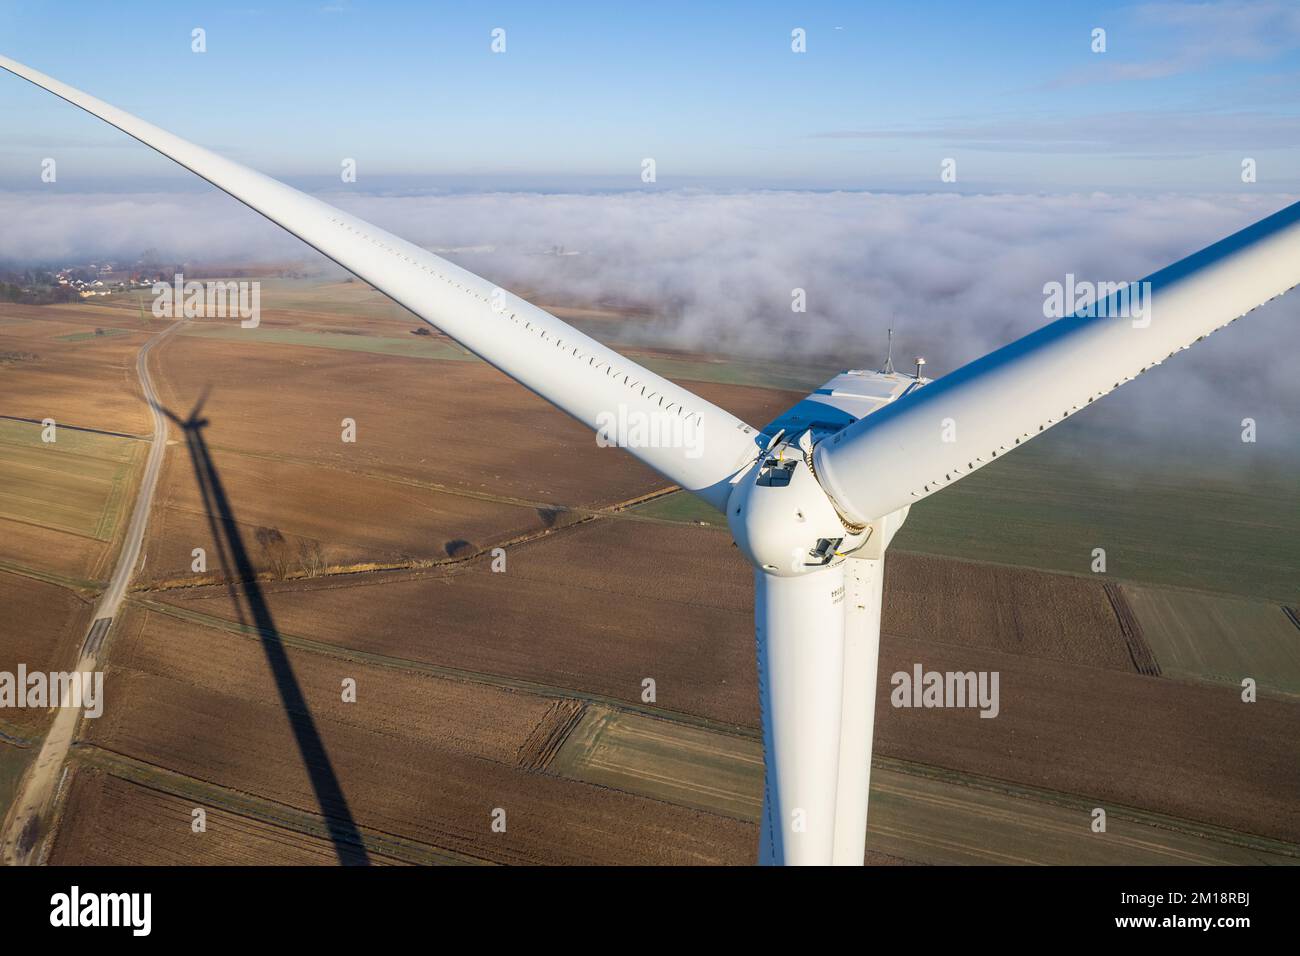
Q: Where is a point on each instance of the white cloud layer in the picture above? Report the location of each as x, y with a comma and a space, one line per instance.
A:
955, 275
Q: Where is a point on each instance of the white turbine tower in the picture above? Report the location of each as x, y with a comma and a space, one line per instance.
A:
814, 500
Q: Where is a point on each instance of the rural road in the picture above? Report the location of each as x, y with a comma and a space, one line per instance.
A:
35, 797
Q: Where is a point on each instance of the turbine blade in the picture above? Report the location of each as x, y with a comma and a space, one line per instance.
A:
704, 445
930, 437
799, 626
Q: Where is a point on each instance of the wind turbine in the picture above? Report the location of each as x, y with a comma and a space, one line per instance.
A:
814, 498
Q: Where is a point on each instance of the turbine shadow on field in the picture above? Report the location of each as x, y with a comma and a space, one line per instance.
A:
251, 607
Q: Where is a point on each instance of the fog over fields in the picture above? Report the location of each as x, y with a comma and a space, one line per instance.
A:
955, 275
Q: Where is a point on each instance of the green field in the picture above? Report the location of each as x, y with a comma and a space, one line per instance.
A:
338, 297
410, 346
689, 766
77, 483
779, 375
13, 761
1043, 507
684, 507
1219, 638
85, 336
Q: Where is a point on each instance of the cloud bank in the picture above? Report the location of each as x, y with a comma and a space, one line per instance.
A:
955, 275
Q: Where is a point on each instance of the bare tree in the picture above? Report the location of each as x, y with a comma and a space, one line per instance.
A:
311, 557
275, 550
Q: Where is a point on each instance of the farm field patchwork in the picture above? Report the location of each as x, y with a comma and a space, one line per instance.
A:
523, 689
420, 791
421, 758
1239, 775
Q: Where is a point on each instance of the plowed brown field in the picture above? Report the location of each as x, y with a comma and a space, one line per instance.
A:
118, 823
41, 626
1054, 616
88, 381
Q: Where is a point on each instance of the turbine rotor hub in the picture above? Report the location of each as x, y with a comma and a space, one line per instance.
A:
781, 518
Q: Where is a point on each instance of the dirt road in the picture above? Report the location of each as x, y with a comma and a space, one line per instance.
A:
34, 800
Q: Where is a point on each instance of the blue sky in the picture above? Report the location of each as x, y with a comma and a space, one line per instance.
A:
715, 95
